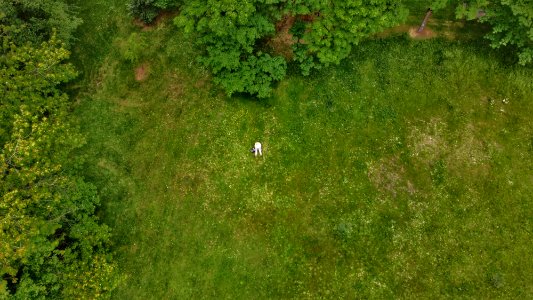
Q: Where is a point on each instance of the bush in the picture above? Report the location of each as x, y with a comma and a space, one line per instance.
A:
253, 75
37, 21
132, 49
147, 10
143, 9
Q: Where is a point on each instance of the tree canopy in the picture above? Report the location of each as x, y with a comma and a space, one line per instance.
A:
230, 31
511, 22
335, 26
512, 25
36, 20
233, 35
53, 245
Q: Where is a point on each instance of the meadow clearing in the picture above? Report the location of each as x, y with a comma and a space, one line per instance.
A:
404, 172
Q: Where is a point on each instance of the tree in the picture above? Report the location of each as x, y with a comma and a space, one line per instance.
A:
512, 25
52, 244
38, 19
511, 22
253, 75
30, 76
335, 26
230, 31
233, 33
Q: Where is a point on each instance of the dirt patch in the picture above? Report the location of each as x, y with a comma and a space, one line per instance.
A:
427, 141
177, 85
462, 150
309, 18
142, 72
410, 30
161, 18
140, 23
282, 42
389, 176
470, 154
450, 30
424, 34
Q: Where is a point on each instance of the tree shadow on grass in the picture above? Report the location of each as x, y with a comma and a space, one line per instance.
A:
246, 98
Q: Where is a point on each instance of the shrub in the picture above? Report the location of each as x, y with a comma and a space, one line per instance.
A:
253, 75
132, 49
143, 9
147, 10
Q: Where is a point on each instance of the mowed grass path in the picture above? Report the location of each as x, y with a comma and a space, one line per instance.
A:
405, 172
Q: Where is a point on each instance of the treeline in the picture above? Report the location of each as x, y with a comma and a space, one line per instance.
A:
51, 243
235, 34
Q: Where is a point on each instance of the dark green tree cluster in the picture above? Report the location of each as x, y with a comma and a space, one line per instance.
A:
51, 243
36, 19
147, 10
512, 25
334, 27
234, 32
511, 22
230, 32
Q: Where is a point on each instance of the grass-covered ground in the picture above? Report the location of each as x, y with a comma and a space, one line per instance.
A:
405, 172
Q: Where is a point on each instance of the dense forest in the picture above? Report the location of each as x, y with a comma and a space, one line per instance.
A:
54, 243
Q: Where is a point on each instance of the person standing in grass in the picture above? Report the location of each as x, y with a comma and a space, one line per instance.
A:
257, 149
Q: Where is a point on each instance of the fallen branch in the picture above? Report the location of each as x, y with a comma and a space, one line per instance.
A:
425, 21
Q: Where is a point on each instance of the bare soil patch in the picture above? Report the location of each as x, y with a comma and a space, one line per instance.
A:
283, 40
410, 30
427, 141
142, 72
450, 30
389, 176
177, 85
463, 151
424, 34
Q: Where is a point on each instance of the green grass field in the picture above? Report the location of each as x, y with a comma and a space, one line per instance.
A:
405, 172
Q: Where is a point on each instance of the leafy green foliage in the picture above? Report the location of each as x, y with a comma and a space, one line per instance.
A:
30, 77
511, 22
253, 76
52, 244
133, 48
230, 32
512, 25
147, 10
336, 26
143, 9
37, 19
